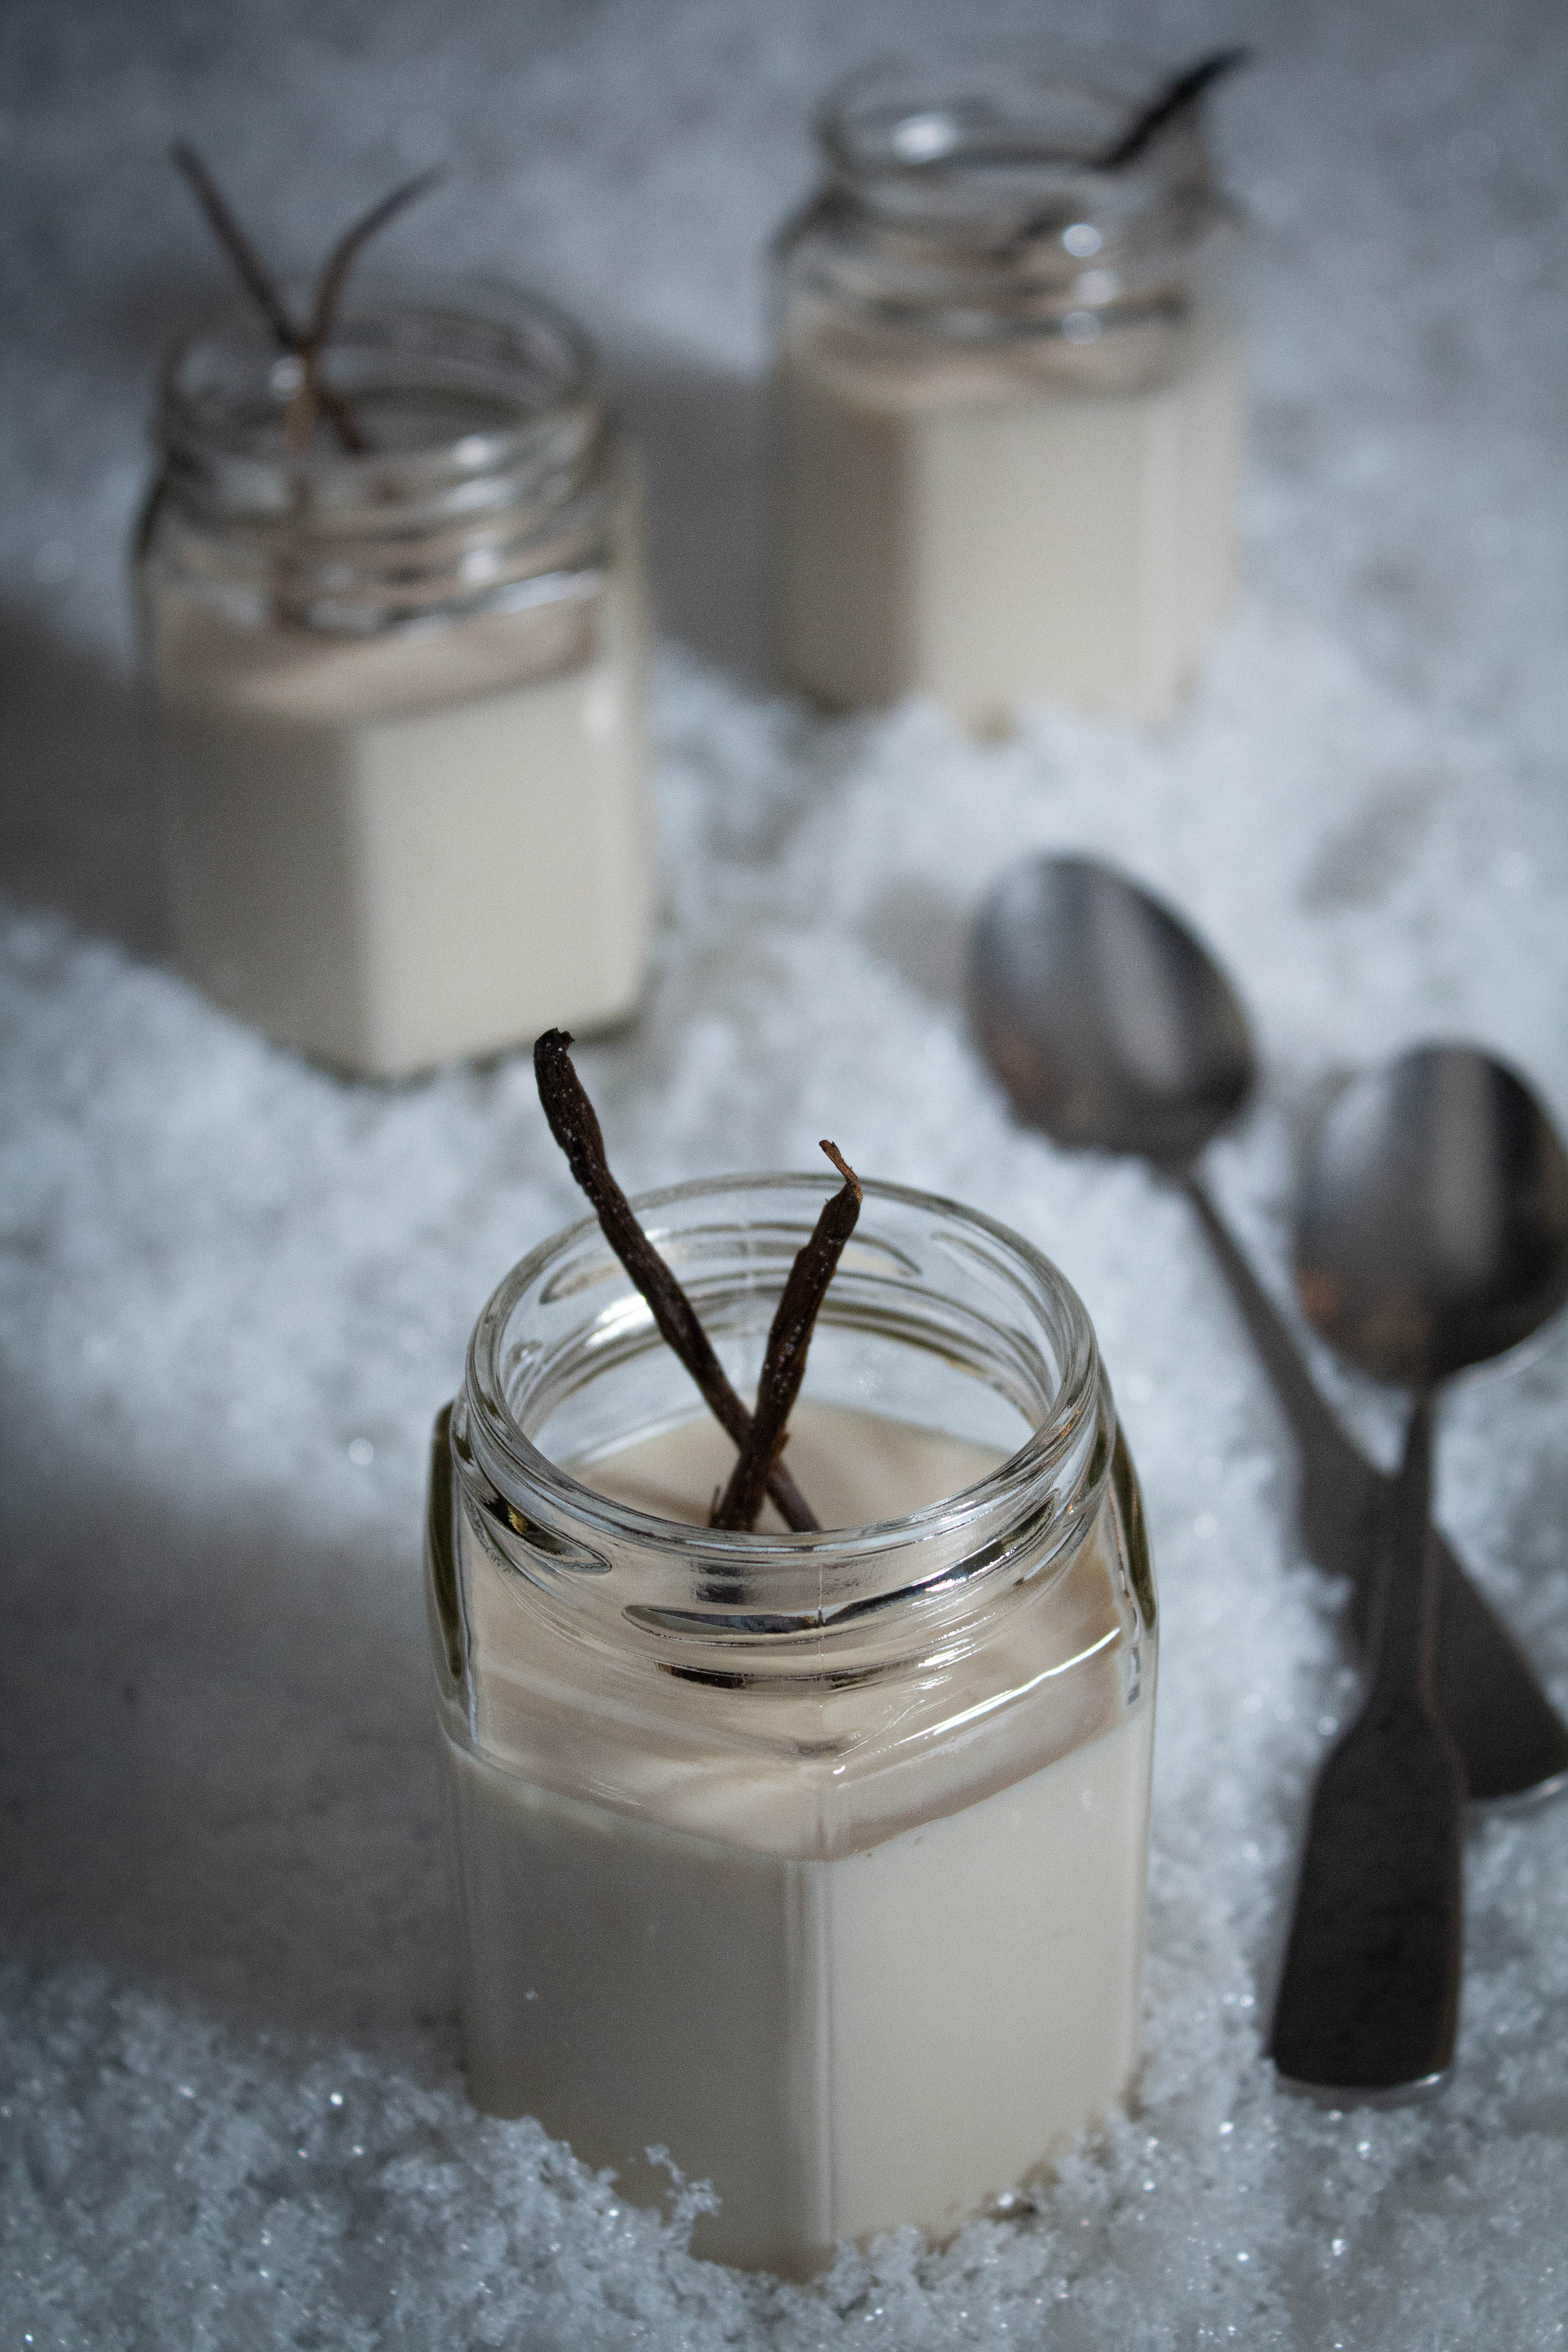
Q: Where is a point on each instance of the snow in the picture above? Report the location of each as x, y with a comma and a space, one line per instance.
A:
237, 1290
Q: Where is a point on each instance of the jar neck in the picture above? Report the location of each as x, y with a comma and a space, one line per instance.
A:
486, 479
927, 1292
972, 206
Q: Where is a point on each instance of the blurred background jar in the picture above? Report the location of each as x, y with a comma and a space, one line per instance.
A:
399, 686
1010, 408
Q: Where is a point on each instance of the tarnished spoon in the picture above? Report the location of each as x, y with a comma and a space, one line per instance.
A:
1113, 1029
1432, 1234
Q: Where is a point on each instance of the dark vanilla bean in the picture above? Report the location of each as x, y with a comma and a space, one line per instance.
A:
248, 266
574, 1125
300, 425
305, 344
783, 1365
1176, 99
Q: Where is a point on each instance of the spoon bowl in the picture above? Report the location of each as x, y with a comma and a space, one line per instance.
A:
1110, 1026
1433, 1234
1113, 1029
1433, 1227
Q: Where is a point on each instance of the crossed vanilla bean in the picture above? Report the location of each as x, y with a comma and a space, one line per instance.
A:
760, 1436
783, 1366
306, 344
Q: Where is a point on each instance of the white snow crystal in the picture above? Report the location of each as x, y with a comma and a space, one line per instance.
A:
236, 1291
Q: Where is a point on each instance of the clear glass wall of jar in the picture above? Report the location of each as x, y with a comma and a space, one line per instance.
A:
399, 691
816, 1859
1009, 402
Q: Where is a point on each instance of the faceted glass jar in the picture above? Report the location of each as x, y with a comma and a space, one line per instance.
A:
1009, 408
399, 689
816, 1859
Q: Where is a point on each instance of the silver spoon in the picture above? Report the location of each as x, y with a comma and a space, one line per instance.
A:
1114, 1029
1432, 1234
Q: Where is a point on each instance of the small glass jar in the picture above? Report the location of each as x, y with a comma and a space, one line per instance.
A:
816, 1860
399, 691
1009, 401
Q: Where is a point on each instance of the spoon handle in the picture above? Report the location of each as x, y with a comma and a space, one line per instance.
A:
1317, 1430
1511, 1737
1368, 1999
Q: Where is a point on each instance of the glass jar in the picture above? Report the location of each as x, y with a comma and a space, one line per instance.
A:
1009, 401
816, 1860
400, 689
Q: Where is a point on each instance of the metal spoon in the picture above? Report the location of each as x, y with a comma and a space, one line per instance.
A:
1112, 1028
1433, 1234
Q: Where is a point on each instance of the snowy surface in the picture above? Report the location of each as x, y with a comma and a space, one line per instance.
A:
237, 1291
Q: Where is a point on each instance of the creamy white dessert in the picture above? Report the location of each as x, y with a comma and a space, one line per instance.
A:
973, 523
852, 1985
388, 850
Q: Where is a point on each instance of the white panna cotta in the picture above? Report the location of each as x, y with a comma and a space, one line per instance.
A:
391, 850
966, 525
845, 2013
397, 656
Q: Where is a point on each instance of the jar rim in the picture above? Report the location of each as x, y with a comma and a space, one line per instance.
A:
1082, 1391
904, 89
545, 338
995, 154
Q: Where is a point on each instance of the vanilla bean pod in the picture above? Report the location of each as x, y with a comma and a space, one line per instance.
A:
303, 343
783, 1365
262, 288
300, 425
575, 1127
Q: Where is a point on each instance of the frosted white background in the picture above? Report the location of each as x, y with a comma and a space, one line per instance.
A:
236, 1290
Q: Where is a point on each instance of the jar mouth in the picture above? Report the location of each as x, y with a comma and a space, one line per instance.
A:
999, 156
1052, 1375
917, 117
454, 379
490, 482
